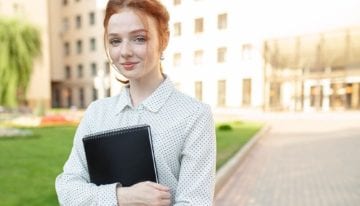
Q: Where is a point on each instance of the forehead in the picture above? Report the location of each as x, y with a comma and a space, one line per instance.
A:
127, 20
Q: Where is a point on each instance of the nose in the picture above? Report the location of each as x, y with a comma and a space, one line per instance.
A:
126, 50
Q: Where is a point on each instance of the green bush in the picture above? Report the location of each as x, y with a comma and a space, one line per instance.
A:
225, 127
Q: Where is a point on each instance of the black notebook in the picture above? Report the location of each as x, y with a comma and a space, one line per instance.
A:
123, 155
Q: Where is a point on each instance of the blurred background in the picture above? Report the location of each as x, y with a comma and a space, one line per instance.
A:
271, 55
287, 68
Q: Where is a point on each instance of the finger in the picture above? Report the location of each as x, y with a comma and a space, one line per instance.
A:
158, 186
166, 202
165, 195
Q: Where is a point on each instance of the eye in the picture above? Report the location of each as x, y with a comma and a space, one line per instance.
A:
115, 42
140, 39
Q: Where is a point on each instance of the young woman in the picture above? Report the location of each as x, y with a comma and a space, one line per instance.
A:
136, 34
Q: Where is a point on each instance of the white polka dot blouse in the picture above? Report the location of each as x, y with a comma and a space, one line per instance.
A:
184, 145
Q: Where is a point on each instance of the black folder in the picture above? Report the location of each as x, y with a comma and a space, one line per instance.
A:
123, 155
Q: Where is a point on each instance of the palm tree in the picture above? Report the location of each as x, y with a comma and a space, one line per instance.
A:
19, 45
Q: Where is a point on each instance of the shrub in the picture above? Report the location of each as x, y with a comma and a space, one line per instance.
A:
225, 127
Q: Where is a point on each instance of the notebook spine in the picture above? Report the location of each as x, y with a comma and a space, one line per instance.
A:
107, 133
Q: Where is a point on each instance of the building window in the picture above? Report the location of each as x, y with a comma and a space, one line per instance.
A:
65, 2
92, 44
221, 55
221, 93
80, 71
92, 18
69, 97
246, 92
94, 93
198, 90
177, 59
79, 46
67, 72
199, 25
222, 21
107, 68
108, 92
67, 48
93, 69
78, 21
82, 97
66, 24
177, 2
246, 51
177, 29
198, 57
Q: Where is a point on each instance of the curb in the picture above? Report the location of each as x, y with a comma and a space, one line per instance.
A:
225, 172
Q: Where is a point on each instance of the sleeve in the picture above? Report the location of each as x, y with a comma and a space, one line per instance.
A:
73, 186
198, 161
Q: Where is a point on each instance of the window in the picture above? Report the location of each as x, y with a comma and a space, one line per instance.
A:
92, 44
82, 97
107, 68
66, 24
79, 46
65, 2
108, 92
93, 69
177, 29
221, 93
78, 21
176, 2
67, 72
80, 71
94, 93
92, 18
246, 51
246, 92
198, 90
199, 25
67, 48
198, 57
221, 55
177, 59
68, 96
222, 21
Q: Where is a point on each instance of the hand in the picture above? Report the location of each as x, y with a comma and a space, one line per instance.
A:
144, 194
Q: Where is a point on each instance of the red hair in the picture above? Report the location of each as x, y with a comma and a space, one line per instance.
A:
152, 8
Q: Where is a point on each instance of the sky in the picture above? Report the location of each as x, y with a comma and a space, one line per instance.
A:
287, 17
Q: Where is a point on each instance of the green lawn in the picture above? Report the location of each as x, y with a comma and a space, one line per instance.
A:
29, 165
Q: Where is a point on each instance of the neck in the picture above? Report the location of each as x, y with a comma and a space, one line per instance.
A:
140, 89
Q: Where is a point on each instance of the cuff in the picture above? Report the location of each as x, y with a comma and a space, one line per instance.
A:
107, 195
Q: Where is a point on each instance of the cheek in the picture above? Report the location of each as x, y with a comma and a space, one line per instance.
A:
113, 53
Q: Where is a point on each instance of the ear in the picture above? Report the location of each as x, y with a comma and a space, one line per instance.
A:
165, 41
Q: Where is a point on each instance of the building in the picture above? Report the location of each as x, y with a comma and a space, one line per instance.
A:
212, 57
236, 54
80, 69
233, 54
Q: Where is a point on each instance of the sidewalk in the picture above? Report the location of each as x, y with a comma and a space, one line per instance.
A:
306, 159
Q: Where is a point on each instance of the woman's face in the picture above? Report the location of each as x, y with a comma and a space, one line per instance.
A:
134, 48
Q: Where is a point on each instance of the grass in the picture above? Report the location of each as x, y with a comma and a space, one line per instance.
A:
229, 141
29, 165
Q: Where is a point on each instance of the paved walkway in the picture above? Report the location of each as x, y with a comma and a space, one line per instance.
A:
305, 160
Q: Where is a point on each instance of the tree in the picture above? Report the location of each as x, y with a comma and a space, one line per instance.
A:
19, 45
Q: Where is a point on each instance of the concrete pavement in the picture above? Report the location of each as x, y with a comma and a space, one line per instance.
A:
306, 159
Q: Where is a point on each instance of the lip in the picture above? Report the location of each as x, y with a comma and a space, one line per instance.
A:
129, 65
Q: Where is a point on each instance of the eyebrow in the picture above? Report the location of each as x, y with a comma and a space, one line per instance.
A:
132, 32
